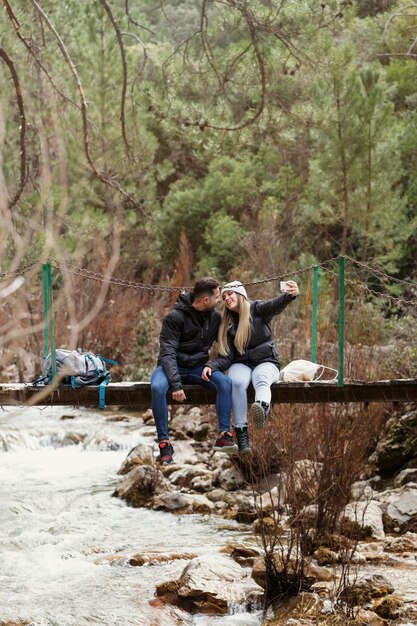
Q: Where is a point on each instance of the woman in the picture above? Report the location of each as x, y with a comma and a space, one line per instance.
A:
247, 351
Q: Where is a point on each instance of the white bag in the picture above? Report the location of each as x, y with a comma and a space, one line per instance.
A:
301, 371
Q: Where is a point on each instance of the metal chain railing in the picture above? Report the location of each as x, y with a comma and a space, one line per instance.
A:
20, 270
362, 287
119, 282
379, 273
292, 274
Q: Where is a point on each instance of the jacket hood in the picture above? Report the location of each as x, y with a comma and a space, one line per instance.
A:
183, 302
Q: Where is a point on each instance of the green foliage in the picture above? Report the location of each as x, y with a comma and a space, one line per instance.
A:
269, 136
404, 342
222, 237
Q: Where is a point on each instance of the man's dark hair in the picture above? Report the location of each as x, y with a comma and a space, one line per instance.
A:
205, 287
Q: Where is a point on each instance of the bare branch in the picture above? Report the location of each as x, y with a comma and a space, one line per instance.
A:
124, 73
108, 180
22, 128
31, 47
130, 18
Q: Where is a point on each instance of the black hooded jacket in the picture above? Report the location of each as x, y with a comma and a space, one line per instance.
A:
261, 347
186, 338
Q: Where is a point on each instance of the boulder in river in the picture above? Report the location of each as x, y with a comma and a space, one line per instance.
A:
211, 584
140, 485
139, 455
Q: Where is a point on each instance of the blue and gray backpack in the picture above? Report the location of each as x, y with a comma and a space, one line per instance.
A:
78, 369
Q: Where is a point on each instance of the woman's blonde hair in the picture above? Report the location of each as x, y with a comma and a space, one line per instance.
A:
243, 328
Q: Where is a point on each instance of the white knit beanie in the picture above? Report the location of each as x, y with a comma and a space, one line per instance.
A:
237, 287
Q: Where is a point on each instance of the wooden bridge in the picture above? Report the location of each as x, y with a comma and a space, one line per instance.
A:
138, 394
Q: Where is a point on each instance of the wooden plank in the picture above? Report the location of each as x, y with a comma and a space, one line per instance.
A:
138, 394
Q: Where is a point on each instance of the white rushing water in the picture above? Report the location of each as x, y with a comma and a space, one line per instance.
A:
59, 524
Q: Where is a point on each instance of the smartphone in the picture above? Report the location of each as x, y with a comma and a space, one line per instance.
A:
283, 286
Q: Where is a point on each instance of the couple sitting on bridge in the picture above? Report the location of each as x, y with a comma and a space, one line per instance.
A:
246, 352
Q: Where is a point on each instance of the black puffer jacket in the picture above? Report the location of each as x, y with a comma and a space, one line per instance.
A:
186, 338
261, 347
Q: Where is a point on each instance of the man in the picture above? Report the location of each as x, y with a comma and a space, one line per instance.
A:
187, 334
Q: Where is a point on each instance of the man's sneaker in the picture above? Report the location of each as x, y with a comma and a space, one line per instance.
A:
242, 437
225, 443
259, 412
166, 452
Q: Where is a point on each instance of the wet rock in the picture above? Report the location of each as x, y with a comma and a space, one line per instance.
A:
408, 475
104, 443
399, 446
184, 425
406, 543
67, 416
281, 563
73, 439
154, 558
410, 525
114, 560
230, 479
270, 500
139, 455
209, 584
19, 622
147, 416
183, 503
388, 608
361, 490
372, 552
399, 504
304, 480
185, 453
323, 588
217, 494
325, 556
367, 515
308, 515
174, 501
244, 555
202, 432
140, 485
368, 618
364, 590
266, 526
302, 605
202, 483
183, 476
118, 418
321, 574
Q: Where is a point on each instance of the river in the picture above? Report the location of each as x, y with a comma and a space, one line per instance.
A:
59, 524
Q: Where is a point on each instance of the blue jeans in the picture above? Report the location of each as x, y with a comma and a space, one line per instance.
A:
190, 376
262, 376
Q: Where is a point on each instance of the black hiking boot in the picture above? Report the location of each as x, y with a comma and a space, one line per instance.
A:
225, 443
242, 437
259, 410
166, 452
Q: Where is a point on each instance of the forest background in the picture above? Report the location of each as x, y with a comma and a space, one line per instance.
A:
159, 142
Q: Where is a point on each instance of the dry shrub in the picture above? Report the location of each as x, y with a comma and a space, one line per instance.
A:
320, 451
326, 448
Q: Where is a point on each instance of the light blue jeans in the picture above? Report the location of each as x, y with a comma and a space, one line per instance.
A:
262, 376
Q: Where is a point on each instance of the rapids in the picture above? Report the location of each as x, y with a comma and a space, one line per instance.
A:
60, 526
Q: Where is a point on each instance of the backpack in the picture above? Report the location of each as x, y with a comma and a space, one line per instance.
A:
305, 371
77, 369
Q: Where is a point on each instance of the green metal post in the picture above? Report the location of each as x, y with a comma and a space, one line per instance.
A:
341, 321
45, 310
48, 316
314, 315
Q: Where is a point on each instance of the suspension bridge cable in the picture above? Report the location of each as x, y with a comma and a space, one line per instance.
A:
119, 282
